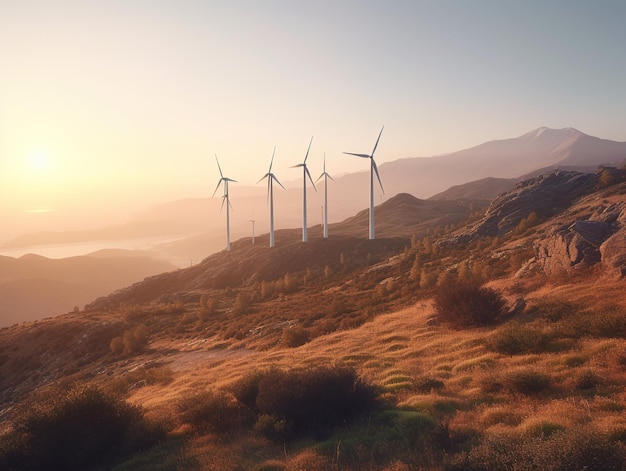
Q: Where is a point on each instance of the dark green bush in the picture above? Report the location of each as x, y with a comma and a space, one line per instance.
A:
82, 428
309, 401
465, 303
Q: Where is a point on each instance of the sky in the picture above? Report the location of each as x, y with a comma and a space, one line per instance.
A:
107, 106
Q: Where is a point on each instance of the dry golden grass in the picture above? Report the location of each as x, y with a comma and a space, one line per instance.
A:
400, 352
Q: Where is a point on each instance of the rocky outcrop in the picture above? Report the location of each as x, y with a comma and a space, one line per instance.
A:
545, 195
601, 238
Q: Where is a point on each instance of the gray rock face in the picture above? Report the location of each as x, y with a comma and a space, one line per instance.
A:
602, 238
545, 195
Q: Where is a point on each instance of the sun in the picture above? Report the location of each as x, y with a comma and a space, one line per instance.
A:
39, 160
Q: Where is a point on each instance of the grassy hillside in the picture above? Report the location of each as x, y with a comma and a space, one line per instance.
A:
333, 355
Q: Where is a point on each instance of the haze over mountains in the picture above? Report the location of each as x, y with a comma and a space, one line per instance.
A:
199, 225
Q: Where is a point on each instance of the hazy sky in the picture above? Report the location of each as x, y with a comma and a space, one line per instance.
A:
112, 101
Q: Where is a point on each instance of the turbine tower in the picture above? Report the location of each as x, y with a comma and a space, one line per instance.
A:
270, 195
252, 221
305, 173
326, 177
373, 169
225, 199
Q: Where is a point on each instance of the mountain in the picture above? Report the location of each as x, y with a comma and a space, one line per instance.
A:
34, 287
195, 223
542, 148
483, 190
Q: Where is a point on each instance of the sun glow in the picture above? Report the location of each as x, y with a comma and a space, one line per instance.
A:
39, 160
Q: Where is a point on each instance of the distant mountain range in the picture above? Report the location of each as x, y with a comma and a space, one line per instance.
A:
477, 174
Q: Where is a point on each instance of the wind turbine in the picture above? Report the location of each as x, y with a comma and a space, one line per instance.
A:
373, 169
326, 177
225, 199
305, 173
270, 195
252, 221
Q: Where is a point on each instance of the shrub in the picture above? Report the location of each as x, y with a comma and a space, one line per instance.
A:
295, 337
303, 401
527, 381
587, 379
516, 339
77, 429
132, 341
466, 303
213, 411
576, 449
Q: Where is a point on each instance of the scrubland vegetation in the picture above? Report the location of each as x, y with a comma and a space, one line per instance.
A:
411, 361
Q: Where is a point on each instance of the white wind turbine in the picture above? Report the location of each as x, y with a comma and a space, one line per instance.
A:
373, 169
225, 199
326, 177
252, 221
270, 195
305, 173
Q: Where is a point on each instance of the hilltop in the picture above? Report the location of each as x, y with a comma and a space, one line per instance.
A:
549, 372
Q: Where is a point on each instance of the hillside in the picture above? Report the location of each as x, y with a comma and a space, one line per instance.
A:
32, 287
541, 388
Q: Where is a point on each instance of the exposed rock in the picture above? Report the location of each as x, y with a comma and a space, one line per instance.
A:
545, 195
602, 238
613, 252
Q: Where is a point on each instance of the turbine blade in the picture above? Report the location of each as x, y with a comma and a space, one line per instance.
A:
218, 166
296, 166
217, 188
263, 177
230, 180
310, 178
276, 180
330, 177
223, 199
376, 145
272, 161
377, 175
365, 156
307, 151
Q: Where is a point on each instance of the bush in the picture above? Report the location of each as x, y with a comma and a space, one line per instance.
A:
576, 449
79, 429
132, 341
527, 381
307, 401
212, 411
295, 336
516, 339
466, 303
